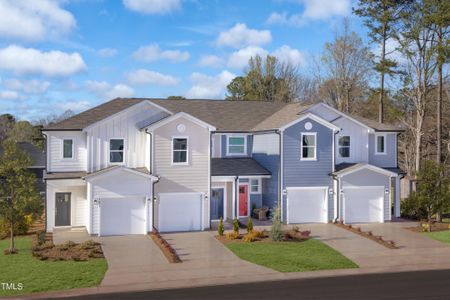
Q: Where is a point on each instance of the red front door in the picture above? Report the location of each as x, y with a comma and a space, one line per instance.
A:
243, 200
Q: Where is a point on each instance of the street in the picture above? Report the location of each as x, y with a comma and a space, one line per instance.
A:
409, 285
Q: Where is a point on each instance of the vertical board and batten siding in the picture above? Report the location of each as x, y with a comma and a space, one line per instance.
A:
190, 178
224, 145
359, 141
384, 160
298, 173
55, 161
266, 149
127, 126
368, 177
79, 213
117, 184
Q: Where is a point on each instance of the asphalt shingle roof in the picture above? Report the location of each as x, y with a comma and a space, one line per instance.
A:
237, 167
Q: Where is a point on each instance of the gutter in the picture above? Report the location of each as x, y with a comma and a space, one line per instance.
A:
153, 182
43, 177
247, 131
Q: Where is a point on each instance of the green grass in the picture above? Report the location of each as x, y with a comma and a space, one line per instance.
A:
40, 276
310, 255
442, 236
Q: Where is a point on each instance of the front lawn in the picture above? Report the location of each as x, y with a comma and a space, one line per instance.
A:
40, 276
310, 255
442, 236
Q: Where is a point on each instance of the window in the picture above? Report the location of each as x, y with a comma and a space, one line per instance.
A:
180, 150
254, 186
380, 145
308, 146
237, 145
67, 148
344, 146
116, 150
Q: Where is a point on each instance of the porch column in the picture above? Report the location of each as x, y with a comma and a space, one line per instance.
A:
397, 197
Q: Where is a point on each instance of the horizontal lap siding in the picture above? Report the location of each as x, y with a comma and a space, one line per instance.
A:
298, 173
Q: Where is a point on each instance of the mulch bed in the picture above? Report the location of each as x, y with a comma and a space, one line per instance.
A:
68, 251
169, 252
369, 235
263, 237
435, 226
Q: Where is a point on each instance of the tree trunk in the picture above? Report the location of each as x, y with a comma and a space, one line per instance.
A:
439, 104
429, 222
12, 244
383, 56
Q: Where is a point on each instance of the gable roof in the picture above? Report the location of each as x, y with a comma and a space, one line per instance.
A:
37, 155
348, 168
285, 115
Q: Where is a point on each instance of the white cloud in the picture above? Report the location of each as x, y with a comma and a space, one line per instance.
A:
34, 20
107, 52
286, 54
313, 10
32, 61
74, 105
104, 90
240, 36
153, 6
205, 86
212, 61
9, 95
32, 86
147, 77
239, 59
153, 52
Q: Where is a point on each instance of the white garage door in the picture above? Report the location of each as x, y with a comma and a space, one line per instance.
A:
363, 204
121, 216
180, 212
307, 205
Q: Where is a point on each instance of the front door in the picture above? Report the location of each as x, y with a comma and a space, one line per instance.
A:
62, 209
216, 203
243, 200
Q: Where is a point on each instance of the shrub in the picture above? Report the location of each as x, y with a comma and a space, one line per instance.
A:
236, 225
40, 237
250, 237
220, 228
232, 235
295, 228
412, 209
249, 225
21, 227
276, 232
259, 234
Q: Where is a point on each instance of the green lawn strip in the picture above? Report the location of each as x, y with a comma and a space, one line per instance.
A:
311, 255
40, 276
442, 236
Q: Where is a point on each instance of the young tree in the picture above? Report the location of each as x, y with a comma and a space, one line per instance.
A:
380, 17
18, 194
346, 63
433, 189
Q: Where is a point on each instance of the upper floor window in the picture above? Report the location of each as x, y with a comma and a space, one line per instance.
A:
67, 148
116, 150
180, 150
237, 145
344, 146
380, 144
255, 186
309, 145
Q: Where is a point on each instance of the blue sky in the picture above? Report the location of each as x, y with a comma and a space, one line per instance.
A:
74, 54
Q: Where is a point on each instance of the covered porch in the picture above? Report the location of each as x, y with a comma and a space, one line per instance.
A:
237, 190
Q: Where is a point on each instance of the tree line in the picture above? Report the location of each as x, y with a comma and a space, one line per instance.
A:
401, 77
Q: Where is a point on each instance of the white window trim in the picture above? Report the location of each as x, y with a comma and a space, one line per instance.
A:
228, 145
250, 185
301, 146
349, 147
124, 151
62, 149
187, 151
384, 135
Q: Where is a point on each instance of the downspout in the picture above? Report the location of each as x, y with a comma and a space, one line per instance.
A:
333, 168
43, 175
236, 194
153, 182
278, 132
209, 177
280, 201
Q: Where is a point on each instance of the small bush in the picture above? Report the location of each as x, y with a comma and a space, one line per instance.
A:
412, 209
250, 237
295, 229
259, 234
276, 231
236, 225
369, 233
249, 225
90, 244
220, 229
40, 237
232, 235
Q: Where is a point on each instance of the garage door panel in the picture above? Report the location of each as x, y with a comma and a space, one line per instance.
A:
364, 204
180, 212
122, 216
307, 205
